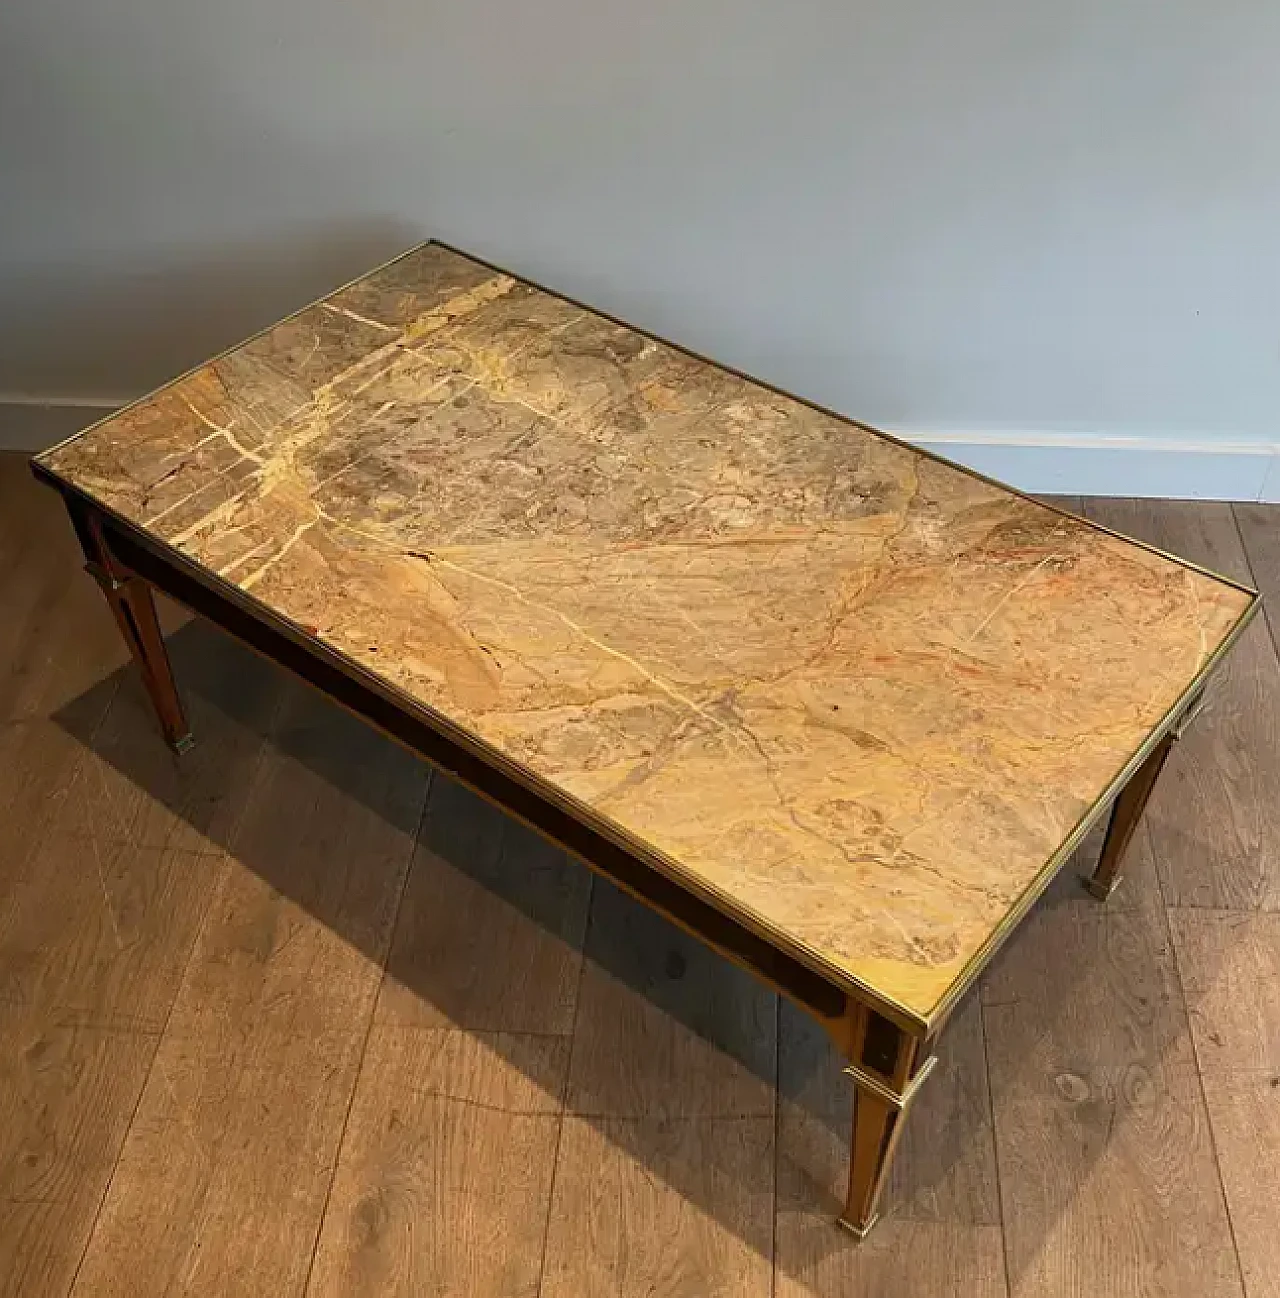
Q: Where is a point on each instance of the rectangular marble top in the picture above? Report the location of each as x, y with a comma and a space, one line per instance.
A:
857, 696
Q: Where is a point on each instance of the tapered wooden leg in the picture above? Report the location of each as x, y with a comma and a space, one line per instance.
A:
1125, 813
1129, 805
876, 1124
888, 1065
134, 609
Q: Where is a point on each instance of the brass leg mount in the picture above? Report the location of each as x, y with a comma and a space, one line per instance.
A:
1129, 805
888, 1066
134, 609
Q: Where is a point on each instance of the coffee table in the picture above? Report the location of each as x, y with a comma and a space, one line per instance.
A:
837, 707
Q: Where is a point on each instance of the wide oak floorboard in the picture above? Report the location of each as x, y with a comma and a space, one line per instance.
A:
222, 1181
664, 1181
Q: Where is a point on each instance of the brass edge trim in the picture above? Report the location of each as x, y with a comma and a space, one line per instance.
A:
40, 456
844, 982
666, 342
980, 958
900, 1013
869, 1082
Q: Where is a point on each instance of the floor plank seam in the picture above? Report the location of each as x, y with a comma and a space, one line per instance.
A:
54, 804
1244, 547
370, 1022
142, 1089
1270, 615
1146, 840
77, 837
777, 1131
466, 1102
568, 1077
1204, 1104
224, 857
1232, 912
426, 1029
156, 1043
141, 1032
995, 1142
591, 1115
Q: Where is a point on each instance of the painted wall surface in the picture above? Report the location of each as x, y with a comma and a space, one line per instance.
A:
1001, 215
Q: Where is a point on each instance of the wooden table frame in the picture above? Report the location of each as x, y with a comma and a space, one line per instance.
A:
890, 1053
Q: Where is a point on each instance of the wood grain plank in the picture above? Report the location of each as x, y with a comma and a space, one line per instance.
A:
666, 1027
221, 1182
130, 788
56, 636
94, 930
674, 1206
1244, 1108
98, 934
1230, 968
1260, 531
61, 640
67, 1094
1095, 967
461, 1128
39, 762
1111, 1182
1107, 1172
59, 652
940, 1230
445, 1171
490, 930
27, 510
1215, 816
666, 1158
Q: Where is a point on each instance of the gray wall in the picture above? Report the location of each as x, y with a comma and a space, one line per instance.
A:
1003, 214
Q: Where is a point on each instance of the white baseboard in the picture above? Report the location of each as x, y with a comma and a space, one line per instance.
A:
1100, 464
1067, 464
32, 424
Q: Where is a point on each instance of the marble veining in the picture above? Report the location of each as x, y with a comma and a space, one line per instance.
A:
858, 694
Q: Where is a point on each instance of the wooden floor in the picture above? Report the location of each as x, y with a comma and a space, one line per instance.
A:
291, 1016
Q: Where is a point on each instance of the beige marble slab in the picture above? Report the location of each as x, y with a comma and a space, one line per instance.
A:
856, 694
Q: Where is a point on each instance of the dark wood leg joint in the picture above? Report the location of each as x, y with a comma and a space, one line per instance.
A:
133, 607
887, 1066
1129, 805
